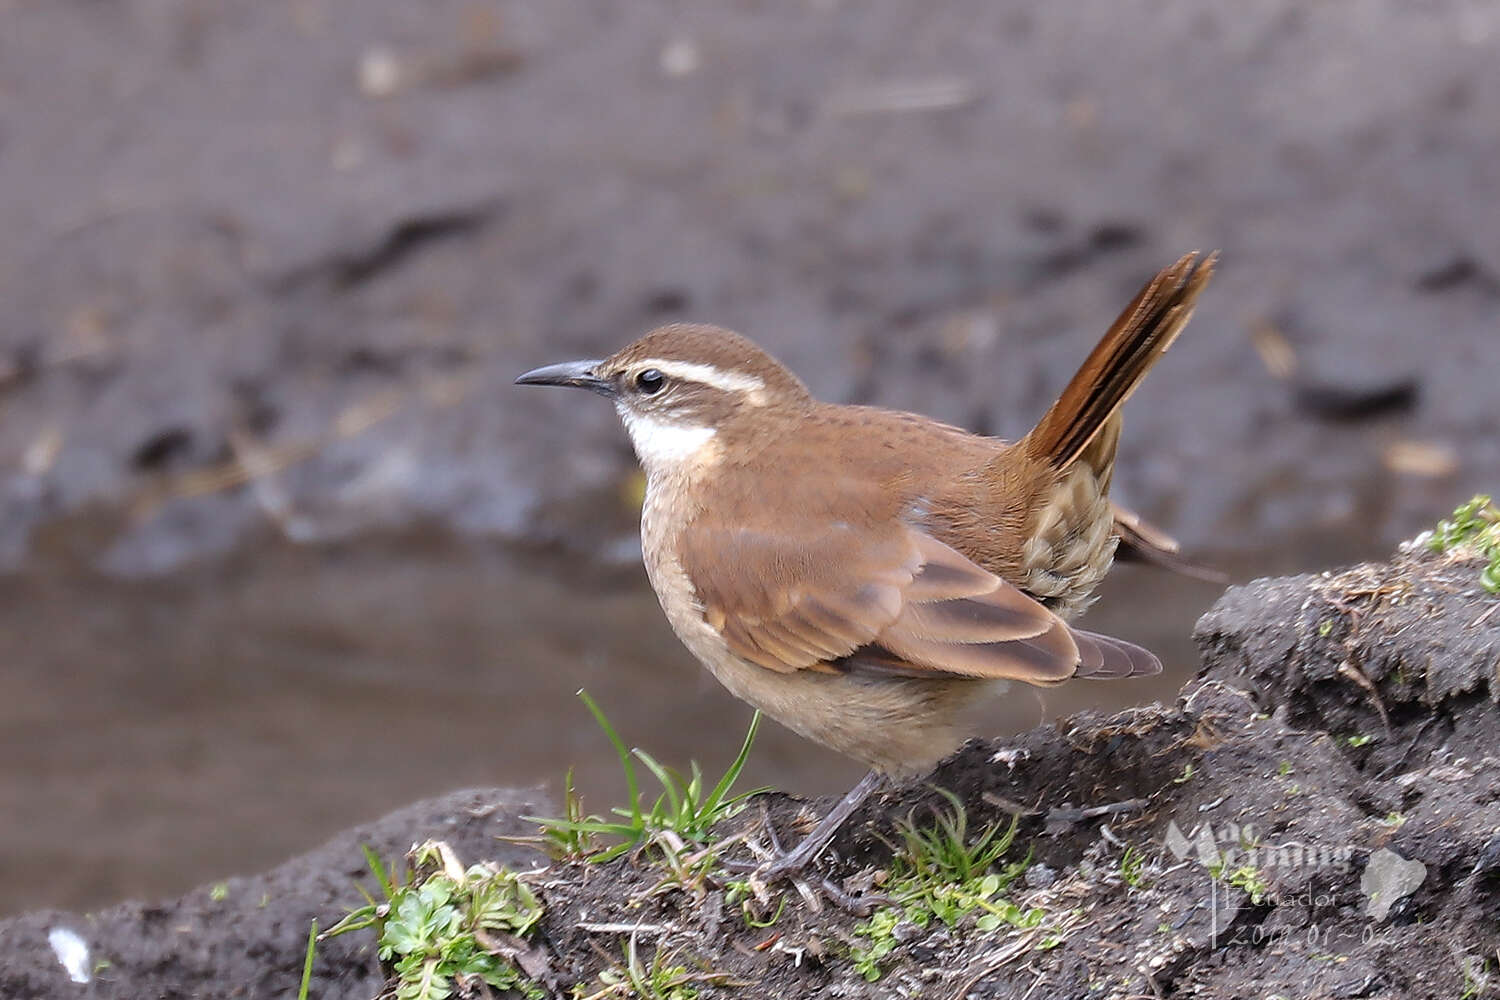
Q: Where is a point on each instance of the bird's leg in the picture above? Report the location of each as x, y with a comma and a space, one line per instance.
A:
789, 864
793, 861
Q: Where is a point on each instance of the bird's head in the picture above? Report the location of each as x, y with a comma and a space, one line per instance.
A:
678, 387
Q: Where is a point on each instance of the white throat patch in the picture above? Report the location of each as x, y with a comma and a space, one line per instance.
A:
659, 444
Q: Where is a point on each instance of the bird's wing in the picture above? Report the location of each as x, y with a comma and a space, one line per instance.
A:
886, 600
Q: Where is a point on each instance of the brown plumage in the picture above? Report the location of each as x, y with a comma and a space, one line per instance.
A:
862, 574
1090, 404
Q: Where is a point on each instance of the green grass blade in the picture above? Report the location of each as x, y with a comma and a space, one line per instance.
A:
307, 962
354, 920
715, 798
583, 825
610, 853
693, 794
377, 868
631, 784
669, 783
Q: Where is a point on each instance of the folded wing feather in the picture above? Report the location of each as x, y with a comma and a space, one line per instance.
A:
899, 603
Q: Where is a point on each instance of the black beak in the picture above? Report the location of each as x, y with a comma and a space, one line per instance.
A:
574, 373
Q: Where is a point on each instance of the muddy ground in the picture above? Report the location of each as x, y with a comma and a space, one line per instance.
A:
1316, 816
318, 239
268, 269
239, 937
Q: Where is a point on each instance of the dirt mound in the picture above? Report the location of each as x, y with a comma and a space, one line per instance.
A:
1313, 818
245, 937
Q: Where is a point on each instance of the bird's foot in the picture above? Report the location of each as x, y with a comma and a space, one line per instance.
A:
813, 889
784, 865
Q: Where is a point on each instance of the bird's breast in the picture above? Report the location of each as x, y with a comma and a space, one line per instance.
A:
674, 589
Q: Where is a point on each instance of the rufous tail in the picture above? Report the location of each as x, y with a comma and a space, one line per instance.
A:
1085, 422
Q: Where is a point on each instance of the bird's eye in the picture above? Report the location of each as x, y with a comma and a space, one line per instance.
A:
650, 381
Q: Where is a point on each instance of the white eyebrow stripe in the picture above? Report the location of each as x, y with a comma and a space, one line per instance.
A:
692, 371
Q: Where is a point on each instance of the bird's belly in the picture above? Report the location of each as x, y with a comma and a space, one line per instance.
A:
899, 726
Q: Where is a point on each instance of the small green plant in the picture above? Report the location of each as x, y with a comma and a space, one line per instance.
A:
683, 807
1359, 740
1249, 880
944, 854
880, 930
1475, 975
571, 837
445, 928
1474, 527
1050, 941
1133, 867
940, 872
663, 979
219, 892
1185, 776
1283, 769
742, 894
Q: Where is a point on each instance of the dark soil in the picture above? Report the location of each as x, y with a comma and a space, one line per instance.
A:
1342, 724
246, 937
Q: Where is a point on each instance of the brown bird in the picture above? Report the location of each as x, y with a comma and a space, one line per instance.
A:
866, 576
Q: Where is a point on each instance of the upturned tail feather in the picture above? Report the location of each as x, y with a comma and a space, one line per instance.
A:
1088, 408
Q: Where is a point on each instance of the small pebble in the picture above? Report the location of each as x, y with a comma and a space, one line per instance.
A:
680, 57
906, 932
1040, 876
72, 953
379, 72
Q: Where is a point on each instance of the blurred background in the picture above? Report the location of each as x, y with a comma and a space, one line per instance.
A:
281, 547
